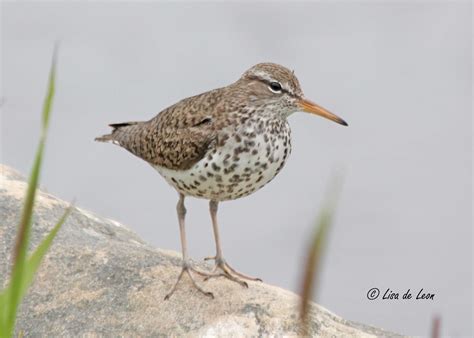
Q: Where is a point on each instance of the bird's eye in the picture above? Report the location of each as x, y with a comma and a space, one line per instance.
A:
275, 87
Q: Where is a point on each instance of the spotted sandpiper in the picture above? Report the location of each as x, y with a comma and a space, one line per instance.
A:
221, 145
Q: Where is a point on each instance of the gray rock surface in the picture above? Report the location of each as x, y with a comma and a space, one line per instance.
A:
101, 279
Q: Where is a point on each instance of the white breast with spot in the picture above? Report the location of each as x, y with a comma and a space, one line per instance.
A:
243, 164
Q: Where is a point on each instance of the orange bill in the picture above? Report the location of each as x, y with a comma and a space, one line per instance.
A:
313, 108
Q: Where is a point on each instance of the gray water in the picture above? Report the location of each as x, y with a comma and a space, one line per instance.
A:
400, 74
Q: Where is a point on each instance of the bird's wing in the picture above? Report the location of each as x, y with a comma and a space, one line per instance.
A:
181, 148
176, 138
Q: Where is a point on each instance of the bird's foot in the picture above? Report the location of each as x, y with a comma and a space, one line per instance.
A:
223, 269
187, 269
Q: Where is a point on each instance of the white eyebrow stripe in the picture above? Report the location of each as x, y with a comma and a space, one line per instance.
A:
266, 77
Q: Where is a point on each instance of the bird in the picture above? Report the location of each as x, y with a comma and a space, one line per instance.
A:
221, 145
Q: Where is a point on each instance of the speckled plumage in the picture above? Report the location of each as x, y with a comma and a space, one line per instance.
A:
221, 145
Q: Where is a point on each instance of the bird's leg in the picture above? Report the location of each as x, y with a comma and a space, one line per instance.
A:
221, 265
186, 266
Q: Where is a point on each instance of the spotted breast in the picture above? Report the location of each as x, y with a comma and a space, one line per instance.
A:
242, 160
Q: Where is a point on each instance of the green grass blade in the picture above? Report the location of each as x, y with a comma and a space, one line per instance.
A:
48, 102
3, 314
30, 268
23, 236
36, 257
315, 252
13, 293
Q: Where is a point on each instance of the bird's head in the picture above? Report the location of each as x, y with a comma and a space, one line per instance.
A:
275, 88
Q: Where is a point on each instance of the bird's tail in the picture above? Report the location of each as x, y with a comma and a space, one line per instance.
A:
104, 138
112, 136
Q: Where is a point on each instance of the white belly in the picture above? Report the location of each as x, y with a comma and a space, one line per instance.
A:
234, 170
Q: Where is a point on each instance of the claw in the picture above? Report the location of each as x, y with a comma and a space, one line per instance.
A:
186, 269
243, 275
228, 272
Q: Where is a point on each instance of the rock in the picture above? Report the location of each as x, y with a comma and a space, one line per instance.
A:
101, 279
